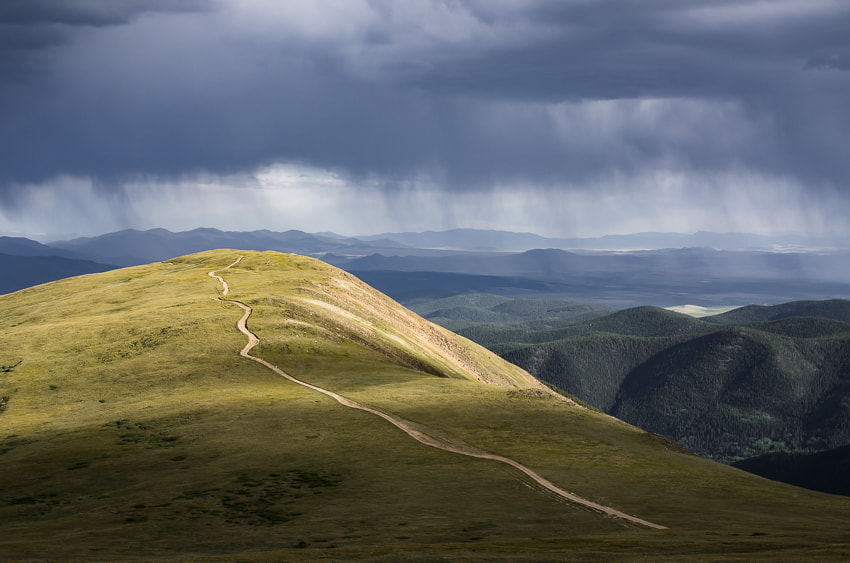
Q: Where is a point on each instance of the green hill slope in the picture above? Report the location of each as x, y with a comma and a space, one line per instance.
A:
132, 429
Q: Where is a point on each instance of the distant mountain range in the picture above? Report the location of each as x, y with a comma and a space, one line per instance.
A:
698, 276
500, 241
680, 269
691, 265
26, 263
131, 247
20, 272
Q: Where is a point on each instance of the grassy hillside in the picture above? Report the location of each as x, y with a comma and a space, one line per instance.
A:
131, 429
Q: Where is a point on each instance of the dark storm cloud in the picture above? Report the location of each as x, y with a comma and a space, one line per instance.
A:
467, 95
27, 26
613, 49
88, 12
766, 58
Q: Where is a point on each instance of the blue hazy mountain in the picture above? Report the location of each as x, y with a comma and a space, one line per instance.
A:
20, 246
20, 272
492, 240
409, 266
131, 247
667, 277
25, 263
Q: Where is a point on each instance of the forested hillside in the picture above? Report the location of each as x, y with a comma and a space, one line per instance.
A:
836, 309
777, 383
469, 310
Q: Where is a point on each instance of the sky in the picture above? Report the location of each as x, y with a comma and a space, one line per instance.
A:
564, 117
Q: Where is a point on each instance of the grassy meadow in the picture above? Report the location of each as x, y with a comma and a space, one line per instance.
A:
130, 429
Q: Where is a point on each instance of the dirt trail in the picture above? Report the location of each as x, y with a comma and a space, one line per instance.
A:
407, 426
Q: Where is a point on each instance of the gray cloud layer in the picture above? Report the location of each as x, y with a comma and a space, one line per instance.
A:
463, 95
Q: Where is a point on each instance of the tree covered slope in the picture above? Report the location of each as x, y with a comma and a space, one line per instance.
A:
779, 383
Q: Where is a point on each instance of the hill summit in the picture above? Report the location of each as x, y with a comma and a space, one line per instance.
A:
320, 308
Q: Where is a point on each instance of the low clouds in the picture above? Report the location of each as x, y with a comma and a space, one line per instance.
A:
460, 100
284, 197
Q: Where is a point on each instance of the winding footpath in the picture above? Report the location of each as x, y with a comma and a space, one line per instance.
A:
406, 426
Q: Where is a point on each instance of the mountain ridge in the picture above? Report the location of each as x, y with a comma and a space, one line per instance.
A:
664, 277
484, 239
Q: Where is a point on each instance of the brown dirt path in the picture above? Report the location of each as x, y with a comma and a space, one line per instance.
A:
407, 426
